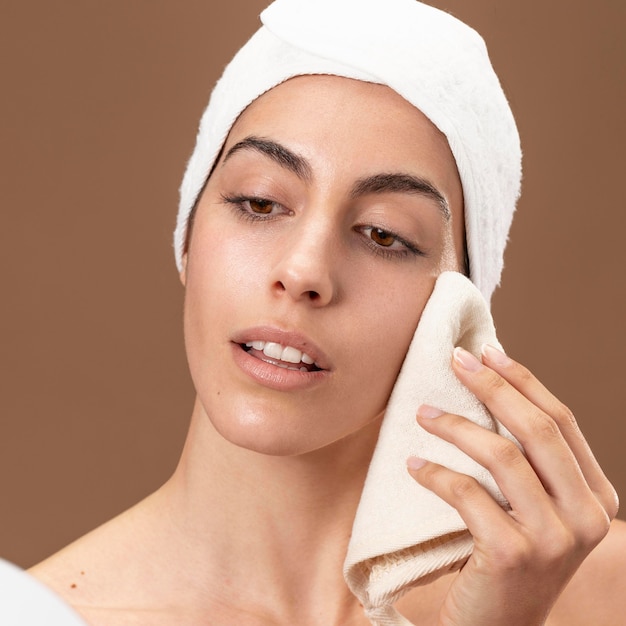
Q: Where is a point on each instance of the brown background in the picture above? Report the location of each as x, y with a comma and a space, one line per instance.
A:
99, 106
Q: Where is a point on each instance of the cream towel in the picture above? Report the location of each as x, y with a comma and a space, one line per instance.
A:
403, 534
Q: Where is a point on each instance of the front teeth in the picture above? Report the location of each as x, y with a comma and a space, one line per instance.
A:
280, 352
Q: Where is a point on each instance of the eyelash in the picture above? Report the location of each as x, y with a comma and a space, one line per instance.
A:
241, 206
409, 249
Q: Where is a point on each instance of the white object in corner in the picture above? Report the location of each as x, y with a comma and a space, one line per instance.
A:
24, 601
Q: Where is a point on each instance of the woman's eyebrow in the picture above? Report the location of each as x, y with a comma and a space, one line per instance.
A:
401, 183
375, 184
279, 153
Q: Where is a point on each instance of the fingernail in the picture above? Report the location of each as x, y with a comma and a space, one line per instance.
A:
466, 360
494, 355
428, 411
415, 463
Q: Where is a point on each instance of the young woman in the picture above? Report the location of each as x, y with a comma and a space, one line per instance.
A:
318, 210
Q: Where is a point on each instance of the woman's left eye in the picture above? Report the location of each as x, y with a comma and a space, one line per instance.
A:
387, 243
382, 237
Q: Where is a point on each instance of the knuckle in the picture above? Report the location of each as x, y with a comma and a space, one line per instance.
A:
564, 416
430, 474
457, 422
495, 384
507, 453
464, 487
524, 375
595, 529
608, 499
612, 500
543, 427
586, 531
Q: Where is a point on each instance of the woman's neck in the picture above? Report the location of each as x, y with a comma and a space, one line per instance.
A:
277, 527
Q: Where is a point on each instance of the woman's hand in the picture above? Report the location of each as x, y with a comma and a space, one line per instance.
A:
561, 501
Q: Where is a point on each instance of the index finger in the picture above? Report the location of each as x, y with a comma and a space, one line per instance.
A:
520, 378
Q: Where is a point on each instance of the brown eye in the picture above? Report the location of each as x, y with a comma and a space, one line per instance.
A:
263, 207
382, 237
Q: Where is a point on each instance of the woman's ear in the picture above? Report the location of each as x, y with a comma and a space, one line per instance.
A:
183, 271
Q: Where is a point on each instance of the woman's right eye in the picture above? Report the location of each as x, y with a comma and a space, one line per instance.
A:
259, 206
255, 208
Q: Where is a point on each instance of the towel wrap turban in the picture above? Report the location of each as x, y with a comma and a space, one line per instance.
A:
433, 60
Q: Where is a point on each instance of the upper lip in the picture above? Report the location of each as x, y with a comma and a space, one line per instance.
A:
286, 338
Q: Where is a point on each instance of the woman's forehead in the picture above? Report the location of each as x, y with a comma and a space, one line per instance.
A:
340, 132
347, 116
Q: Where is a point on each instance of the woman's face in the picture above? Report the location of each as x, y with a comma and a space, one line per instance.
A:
316, 244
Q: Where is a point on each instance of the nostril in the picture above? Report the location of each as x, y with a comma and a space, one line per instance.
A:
310, 294
304, 284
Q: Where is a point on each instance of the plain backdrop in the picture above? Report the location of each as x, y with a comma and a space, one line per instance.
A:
100, 101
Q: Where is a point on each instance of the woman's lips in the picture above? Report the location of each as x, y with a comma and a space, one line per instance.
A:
283, 345
278, 359
277, 354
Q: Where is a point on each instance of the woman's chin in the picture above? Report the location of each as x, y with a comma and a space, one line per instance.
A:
271, 439
284, 436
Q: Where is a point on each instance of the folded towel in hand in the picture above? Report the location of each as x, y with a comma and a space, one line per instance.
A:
403, 534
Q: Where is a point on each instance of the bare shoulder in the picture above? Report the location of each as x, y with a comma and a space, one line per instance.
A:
74, 573
597, 592
96, 569
71, 571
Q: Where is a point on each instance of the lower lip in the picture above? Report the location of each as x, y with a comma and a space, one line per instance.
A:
273, 376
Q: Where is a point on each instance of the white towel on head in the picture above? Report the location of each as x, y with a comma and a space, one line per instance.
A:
403, 534
430, 58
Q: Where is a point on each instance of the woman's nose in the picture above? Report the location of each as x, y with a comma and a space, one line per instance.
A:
307, 264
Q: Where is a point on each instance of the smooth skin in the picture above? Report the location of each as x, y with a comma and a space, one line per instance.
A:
302, 235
